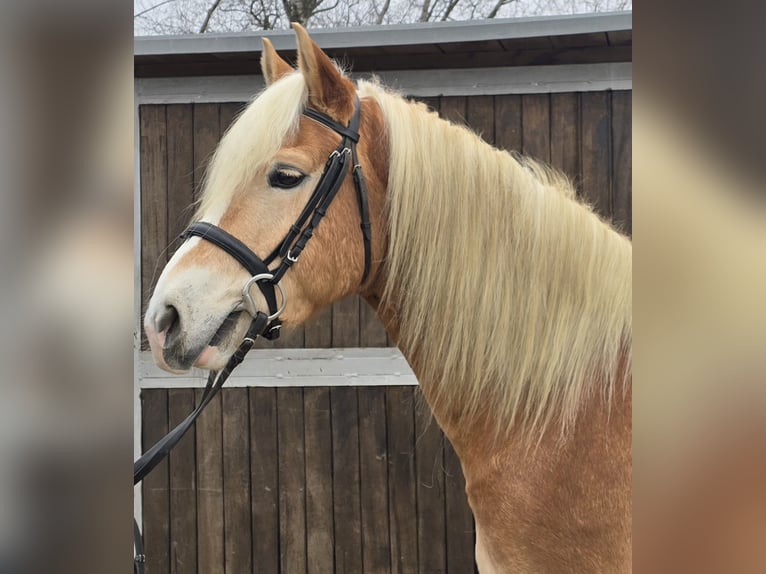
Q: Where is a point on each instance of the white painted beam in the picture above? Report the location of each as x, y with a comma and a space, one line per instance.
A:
422, 83
295, 368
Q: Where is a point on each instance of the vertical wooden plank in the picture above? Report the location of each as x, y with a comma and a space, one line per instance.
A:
345, 322
346, 491
183, 499
206, 134
401, 479
535, 126
154, 196
155, 491
292, 481
565, 149
373, 475
228, 113
596, 151
210, 529
432, 103
180, 171
318, 330
429, 470
622, 170
508, 122
480, 114
320, 542
236, 480
371, 330
291, 337
459, 520
453, 108
264, 453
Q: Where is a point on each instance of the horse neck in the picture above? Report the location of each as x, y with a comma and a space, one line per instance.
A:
580, 260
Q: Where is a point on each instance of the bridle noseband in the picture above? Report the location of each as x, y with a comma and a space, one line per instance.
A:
268, 280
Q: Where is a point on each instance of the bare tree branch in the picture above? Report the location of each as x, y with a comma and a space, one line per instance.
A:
206, 23
450, 8
499, 4
382, 14
150, 8
424, 13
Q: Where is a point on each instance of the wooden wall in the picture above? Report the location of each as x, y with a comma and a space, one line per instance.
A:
313, 480
586, 135
316, 480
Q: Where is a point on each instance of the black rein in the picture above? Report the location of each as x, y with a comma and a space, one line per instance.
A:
289, 250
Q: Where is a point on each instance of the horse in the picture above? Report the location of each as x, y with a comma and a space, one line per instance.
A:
509, 297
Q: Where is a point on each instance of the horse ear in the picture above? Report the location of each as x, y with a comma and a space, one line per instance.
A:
329, 90
272, 65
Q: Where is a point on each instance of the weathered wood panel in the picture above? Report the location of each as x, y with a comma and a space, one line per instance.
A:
210, 524
536, 126
316, 480
586, 135
154, 198
264, 480
429, 470
183, 499
320, 542
402, 494
236, 480
595, 151
346, 488
373, 467
508, 123
207, 133
622, 173
155, 487
565, 120
180, 162
292, 481
460, 537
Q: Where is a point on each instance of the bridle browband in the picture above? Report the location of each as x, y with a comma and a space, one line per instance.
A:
268, 280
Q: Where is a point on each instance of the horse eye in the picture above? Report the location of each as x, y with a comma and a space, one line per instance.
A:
285, 178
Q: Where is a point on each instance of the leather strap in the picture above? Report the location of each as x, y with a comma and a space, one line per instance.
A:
239, 251
152, 457
351, 132
289, 249
139, 558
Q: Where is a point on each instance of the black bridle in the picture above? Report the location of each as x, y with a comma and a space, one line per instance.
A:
289, 250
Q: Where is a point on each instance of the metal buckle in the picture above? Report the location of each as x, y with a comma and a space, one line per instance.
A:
249, 305
290, 257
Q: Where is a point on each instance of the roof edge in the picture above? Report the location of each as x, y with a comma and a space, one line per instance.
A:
393, 35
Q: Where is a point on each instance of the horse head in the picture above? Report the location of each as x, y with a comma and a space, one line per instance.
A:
262, 177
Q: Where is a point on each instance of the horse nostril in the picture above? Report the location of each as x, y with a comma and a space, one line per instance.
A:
167, 319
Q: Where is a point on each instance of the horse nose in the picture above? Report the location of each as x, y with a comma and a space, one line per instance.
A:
167, 319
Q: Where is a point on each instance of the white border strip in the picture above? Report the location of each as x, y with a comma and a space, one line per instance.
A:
137, 295
421, 83
349, 367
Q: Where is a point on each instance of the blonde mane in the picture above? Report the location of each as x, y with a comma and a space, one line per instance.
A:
252, 139
515, 295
